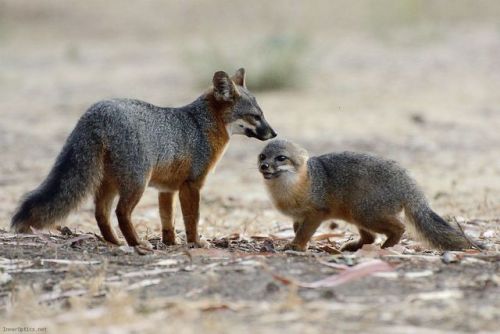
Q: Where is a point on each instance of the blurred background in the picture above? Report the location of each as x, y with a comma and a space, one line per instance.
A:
414, 81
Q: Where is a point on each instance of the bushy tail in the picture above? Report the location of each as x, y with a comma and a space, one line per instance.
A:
433, 229
76, 171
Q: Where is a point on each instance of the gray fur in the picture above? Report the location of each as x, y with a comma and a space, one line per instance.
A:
371, 188
126, 139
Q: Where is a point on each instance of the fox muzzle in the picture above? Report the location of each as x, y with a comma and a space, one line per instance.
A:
262, 132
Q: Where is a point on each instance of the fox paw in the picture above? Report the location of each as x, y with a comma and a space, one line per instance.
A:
201, 243
144, 247
171, 242
351, 246
170, 238
295, 247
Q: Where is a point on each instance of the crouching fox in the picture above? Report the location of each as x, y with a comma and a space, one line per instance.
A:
121, 146
364, 190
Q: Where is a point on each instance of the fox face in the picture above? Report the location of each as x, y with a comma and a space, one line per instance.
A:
281, 158
245, 116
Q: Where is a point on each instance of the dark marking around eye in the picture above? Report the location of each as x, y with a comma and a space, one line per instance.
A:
281, 158
261, 157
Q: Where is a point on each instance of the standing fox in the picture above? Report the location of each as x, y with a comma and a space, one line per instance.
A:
361, 189
121, 146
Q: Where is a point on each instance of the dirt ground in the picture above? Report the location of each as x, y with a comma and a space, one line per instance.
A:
417, 82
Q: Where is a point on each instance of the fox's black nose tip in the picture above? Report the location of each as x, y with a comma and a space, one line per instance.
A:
264, 166
273, 133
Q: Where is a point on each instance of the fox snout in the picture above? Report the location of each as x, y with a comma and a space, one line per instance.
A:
262, 132
269, 171
264, 167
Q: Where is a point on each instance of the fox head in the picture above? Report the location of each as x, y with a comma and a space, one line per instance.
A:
282, 159
243, 115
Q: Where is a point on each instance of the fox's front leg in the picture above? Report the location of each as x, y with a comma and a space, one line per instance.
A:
166, 204
296, 225
304, 230
189, 196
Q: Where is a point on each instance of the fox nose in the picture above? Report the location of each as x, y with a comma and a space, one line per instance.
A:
273, 133
264, 166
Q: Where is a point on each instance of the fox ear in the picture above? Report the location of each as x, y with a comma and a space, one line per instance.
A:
224, 89
239, 77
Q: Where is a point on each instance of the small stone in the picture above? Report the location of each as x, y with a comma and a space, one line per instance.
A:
5, 278
122, 250
489, 234
449, 257
65, 231
267, 246
272, 287
328, 294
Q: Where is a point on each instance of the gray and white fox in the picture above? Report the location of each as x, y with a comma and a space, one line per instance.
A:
121, 146
364, 190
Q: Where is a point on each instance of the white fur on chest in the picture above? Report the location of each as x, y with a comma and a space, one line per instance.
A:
280, 187
284, 190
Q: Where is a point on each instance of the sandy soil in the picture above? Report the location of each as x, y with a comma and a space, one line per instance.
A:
418, 88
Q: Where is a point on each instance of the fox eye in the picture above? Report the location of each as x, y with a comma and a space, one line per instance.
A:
281, 158
257, 118
261, 157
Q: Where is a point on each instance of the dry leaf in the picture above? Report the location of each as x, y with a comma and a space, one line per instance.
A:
260, 237
433, 295
418, 274
329, 249
167, 262
351, 274
371, 250
347, 275
144, 283
61, 261
332, 265
78, 238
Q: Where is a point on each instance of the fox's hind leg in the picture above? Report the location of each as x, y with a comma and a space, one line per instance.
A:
393, 228
103, 201
365, 237
389, 225
166, 203
128, 200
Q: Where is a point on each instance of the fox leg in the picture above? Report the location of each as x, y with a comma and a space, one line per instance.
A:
189, 196
393, 228
103, 200
126, 204
365, 237
166, 203
296, 225
389, 225
304, 233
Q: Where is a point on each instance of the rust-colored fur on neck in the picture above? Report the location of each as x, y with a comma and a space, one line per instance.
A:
218, 136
